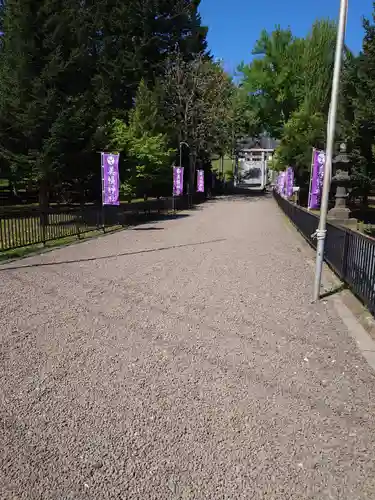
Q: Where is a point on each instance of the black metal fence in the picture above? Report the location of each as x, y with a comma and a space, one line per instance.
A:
350, 254
23, 227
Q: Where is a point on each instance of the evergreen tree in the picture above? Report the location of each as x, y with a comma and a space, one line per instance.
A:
46, 113
198, 103
67, 69
138, 37
358, 99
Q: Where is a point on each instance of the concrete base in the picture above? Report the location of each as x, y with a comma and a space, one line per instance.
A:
339, 213
350, 223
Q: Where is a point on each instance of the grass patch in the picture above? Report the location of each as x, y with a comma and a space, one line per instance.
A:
228, 165
17, 253
20, 230
26, 231
367, 229
25, 206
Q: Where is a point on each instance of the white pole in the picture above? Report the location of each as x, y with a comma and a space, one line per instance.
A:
321, 231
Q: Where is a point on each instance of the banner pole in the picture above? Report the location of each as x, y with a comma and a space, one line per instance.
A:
173, 200
102, 175
311, 174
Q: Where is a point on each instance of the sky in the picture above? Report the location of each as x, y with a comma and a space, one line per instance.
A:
235, 25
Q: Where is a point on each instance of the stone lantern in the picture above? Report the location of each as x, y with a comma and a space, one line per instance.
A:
340, 213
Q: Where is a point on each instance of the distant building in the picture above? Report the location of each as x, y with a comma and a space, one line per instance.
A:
252, 157
258, 143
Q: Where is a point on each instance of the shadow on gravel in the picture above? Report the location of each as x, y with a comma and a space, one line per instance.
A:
157, 218
104, 257
334, 291
252, 196
153, 228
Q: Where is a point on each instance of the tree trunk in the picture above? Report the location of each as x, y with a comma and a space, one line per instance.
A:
13, 189
81, 195
43, 205
365, 199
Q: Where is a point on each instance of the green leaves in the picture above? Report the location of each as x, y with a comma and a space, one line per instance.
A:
358, 116
67, 69
318, 62
288, 85
197, 102
268, 79
302, 132
145, 151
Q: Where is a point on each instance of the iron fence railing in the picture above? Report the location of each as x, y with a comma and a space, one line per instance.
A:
21, 227
349, 253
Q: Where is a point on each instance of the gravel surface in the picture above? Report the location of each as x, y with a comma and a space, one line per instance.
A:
181, 360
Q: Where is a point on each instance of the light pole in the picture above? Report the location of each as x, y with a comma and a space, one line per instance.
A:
331, 127
182, 143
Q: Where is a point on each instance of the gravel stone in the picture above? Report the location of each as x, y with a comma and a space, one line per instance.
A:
181, 363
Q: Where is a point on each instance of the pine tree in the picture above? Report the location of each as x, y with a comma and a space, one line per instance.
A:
67, 69
358, 99
46, 114
138, 37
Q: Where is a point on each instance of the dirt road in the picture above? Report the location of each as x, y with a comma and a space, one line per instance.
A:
181, 360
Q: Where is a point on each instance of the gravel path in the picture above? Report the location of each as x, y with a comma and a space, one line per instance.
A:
181, 360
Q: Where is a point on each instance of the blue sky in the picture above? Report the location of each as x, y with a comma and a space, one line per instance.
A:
235, 25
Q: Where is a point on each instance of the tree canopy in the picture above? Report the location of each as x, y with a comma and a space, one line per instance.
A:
137, 76
69, 72
288, 84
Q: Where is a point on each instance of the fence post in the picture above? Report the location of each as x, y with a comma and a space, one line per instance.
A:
2, 238
97, 218
345, 254
43, 219
77, 228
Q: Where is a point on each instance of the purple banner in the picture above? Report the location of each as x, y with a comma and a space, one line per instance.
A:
289, 175
317, 179
178, 181
277, 186
281, 183
110, 179
200, 181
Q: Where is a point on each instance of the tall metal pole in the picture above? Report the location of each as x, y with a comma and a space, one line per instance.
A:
331, 127
182, 143
173, 203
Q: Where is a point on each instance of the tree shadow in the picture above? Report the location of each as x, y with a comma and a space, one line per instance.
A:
152, 228
149, 218
250, 196
5, 268
337, 289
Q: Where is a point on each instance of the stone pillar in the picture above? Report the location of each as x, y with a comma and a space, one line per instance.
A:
340, 213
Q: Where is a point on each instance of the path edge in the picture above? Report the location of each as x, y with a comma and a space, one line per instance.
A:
346, 305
